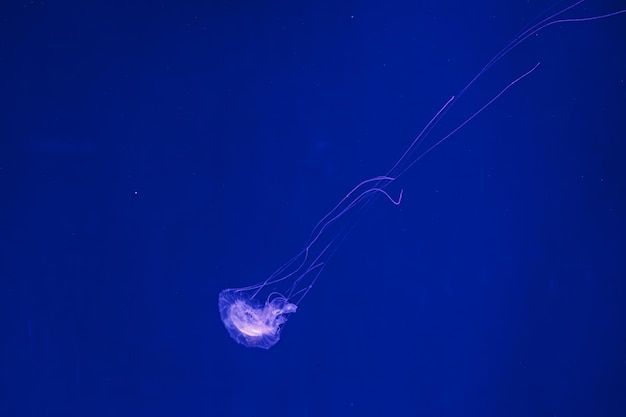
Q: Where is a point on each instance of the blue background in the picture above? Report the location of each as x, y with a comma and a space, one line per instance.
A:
154, 153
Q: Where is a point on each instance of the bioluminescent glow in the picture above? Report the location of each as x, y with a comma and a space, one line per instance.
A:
255, 315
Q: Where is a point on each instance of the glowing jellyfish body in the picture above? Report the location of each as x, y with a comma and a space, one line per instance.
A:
255, 315
251, 323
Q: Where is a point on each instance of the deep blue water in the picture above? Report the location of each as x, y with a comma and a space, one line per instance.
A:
155, 153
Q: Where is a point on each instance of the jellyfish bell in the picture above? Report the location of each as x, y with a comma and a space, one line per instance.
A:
254, 316
251, 323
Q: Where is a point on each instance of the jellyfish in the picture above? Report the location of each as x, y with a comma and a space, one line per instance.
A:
255, 315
